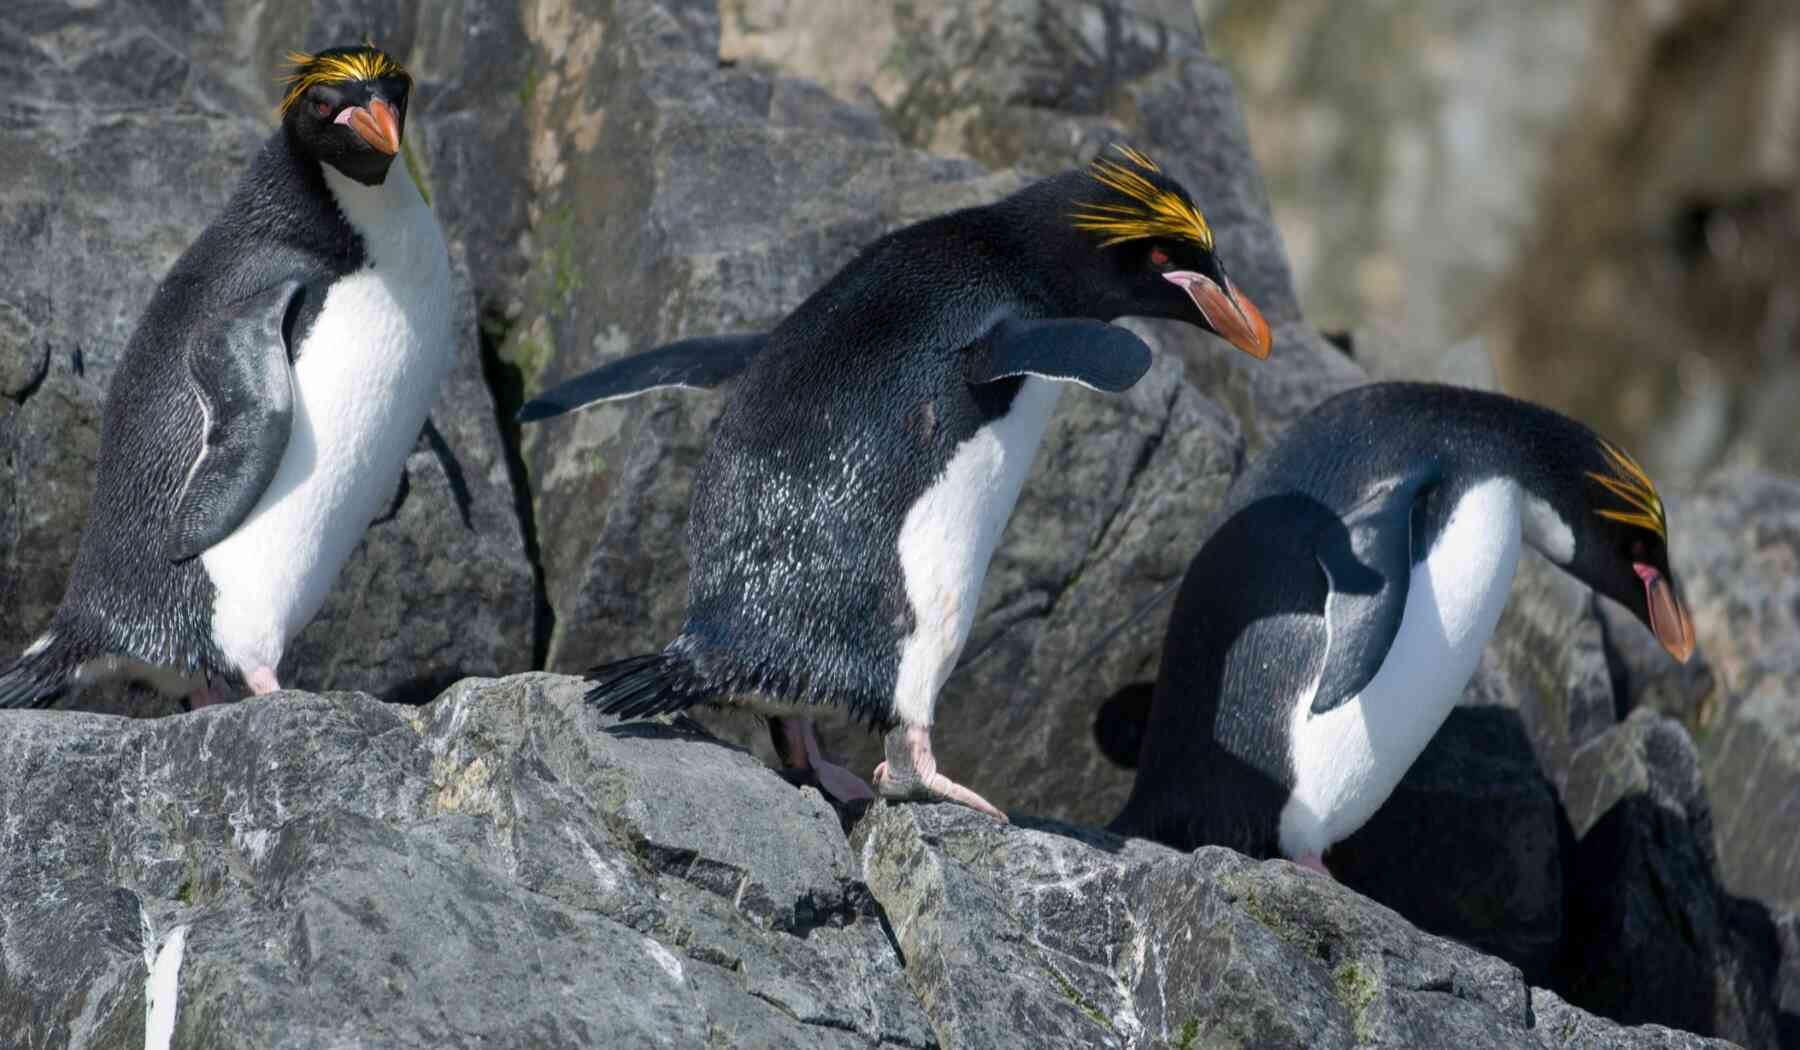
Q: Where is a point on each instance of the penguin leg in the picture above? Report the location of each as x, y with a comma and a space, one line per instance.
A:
801, 753
262, 681
911, 772
205, 696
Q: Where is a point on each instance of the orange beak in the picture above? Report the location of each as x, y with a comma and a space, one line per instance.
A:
1229, 313
1669, 619
377, 123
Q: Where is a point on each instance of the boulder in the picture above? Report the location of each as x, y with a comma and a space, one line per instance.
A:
1076, 938
502, 867
499, 867
1471, 843
1737, 554
1652, 935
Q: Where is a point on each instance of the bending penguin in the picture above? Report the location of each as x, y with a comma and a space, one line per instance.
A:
263, 408
1330, 622
867, 461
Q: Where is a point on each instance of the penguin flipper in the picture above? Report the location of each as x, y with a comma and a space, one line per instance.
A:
1068, 350
241, 374
694, 364
1368, 567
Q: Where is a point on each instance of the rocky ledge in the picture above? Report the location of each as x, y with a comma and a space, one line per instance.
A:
503, 868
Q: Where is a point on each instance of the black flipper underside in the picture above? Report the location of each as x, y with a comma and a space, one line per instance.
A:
1368, 564
695, 364
1069, 350
241, 375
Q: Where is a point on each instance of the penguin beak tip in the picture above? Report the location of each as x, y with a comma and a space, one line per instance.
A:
1227, 311
377, 124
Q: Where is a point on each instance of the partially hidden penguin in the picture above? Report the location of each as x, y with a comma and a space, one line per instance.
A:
875, 442
263, 408
1329, 623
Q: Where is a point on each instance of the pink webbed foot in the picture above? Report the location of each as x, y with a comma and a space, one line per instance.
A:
911, 772
802, 753
1315, 862
262, 681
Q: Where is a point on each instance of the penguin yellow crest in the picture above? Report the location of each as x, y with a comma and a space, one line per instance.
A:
1626, 480
337, 66
1155, 210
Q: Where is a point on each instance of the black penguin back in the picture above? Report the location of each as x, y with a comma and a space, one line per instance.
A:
851, 413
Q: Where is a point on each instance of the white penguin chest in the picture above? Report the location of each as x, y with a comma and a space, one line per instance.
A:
949, 535
365, 376
1348, 760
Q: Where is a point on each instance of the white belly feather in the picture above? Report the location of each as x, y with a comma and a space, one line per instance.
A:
366, 376
949, 536
1348, 760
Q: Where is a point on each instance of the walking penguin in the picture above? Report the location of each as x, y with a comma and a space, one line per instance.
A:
1330, 622
263, 408
866, 463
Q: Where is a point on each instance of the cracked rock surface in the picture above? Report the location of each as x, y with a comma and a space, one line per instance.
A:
498, 868
502, 868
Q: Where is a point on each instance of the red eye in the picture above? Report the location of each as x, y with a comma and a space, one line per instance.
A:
1158, 257
323, 109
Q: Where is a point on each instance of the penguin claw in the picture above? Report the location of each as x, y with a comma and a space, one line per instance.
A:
911, 773
1315, 862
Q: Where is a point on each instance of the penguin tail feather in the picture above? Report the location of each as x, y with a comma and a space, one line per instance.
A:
40, 676
654, 684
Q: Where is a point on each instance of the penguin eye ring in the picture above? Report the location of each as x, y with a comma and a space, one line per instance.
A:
1159, 258
323, 109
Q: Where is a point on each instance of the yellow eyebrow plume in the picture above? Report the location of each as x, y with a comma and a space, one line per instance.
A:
1643, 507
1155, 212
368, 63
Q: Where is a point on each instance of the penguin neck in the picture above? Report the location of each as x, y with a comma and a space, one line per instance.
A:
1518, 457
386, 214
1480, 436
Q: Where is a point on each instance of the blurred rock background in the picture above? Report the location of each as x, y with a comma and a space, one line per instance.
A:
1607, 192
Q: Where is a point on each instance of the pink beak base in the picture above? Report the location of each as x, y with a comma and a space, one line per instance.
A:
1669, 619
1231, 315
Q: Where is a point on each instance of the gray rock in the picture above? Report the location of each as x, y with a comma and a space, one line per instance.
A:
1547, 662
1738, 557
1787, 978
500, 866
1651, 935
122, 148
1049, 935
1469, 844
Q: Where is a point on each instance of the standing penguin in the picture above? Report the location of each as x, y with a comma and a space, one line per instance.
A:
263, 408
1329, 624
863, 470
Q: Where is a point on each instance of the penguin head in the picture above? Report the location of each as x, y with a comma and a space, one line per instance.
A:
1149, 252
346, 107
1621, 540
